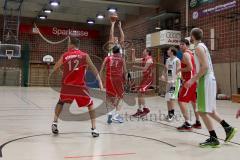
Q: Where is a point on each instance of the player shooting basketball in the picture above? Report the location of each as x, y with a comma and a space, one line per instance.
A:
115, 40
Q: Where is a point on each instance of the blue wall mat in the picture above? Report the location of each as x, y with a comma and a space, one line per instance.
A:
91, 80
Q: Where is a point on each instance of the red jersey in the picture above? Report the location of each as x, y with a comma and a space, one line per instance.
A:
149, 71
188, 75
73, 81
114, 65
147, 75
114, 76
188, 94
74, 67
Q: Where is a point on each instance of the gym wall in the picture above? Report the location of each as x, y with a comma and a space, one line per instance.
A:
38, 48
227, 42
227, 37
226, 49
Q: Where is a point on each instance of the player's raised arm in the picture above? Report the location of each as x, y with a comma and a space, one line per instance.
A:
134, 59
148, 64
122, 36
111, 35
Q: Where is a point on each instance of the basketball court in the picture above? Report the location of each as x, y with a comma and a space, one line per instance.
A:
27, 115
34, 35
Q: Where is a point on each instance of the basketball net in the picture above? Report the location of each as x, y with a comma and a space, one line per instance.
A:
48, 67
9, 56
48, 41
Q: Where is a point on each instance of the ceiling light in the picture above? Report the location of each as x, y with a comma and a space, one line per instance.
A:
90, 21
54, 3
112, 10
47, 11
157, 28
42, 17
100, 16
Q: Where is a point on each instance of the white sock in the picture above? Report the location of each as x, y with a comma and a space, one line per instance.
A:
115, 115
112, 112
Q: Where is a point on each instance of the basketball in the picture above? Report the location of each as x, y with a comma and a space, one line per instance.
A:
113, 17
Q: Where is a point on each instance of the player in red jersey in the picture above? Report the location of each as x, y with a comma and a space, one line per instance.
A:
147, 70
115, 75
186, 95
74, 64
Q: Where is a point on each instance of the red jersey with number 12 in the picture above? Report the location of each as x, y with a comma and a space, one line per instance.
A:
74, 67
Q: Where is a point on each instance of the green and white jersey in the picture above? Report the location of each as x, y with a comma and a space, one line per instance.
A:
206, 88
209, 61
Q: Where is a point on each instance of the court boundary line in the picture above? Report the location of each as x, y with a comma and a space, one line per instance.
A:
119, 134
193, 132
99, 155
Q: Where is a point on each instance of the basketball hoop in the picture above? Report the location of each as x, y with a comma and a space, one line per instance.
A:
9, 54
48, 59
10, 51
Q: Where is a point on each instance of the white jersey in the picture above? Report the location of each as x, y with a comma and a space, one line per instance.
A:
172, 68
209, 61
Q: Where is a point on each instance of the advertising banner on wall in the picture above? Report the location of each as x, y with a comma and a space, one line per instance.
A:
164, 37
170, 37
58, 31
215, 9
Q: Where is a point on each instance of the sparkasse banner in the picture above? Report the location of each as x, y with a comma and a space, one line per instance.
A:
58, 31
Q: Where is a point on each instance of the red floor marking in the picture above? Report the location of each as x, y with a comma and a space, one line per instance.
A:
100, 155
